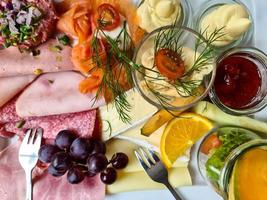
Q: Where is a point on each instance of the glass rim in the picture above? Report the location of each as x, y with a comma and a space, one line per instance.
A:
215, 99
231, 159
205, 137
198, 98
243, 40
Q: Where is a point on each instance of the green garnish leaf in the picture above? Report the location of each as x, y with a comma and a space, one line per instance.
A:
64, 40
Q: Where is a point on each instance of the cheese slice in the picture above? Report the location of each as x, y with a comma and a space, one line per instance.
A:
111, 123
129, 178
140, 181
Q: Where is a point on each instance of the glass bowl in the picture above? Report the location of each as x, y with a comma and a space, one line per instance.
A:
216, 176
193, 86
260, 101
186, 18
210, 6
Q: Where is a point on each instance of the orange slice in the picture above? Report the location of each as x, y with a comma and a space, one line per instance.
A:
180, 134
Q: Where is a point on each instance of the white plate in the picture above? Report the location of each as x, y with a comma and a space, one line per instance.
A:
188, 193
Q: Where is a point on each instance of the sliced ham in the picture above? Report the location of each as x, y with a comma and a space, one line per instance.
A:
15, 63
82, 123
45, 187
55, 93
10, 86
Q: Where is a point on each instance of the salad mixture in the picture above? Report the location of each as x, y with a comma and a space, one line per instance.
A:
220, 144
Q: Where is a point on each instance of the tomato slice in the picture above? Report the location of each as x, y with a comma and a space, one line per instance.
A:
212, 142
107, 17
169, 63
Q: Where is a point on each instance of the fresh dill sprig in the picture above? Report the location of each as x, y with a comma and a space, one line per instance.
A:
118, 65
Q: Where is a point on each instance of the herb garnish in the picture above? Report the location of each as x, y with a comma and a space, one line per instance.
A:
117, 50
64, 40
18, 23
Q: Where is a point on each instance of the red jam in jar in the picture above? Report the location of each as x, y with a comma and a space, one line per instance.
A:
238, 81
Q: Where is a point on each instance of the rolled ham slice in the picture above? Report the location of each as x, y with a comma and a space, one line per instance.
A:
10, 86
15, 63
54, 94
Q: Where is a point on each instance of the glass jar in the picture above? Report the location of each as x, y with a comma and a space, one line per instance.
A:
181, 37
209, 6
219, 177
260, 100
186, 17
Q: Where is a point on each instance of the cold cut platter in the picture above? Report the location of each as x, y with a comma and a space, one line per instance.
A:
103, 78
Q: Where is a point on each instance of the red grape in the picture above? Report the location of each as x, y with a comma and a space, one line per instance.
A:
80, 148
54, 172
46, 152
75, 175
108, 176
64, 139
97, 163
98, 147
119, 160
61, 161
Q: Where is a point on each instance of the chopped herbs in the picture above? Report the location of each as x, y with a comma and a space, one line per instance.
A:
18, 22
64, 40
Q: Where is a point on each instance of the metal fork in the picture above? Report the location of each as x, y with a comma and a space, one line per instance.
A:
28, 156
155, 169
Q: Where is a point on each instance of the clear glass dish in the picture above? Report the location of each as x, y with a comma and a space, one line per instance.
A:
220, 185
182, 37
260, 101
210, 6
186, 18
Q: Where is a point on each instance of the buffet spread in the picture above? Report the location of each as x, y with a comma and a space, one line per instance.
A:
102, 78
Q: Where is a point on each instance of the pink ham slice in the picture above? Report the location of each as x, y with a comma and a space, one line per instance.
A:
45, 187
82, 122
53, 94
10, 86
15, 63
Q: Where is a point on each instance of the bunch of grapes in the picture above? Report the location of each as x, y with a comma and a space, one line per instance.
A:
80, 158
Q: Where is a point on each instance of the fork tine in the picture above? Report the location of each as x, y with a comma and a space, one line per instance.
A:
153, 155
27, 136
33, 135
146, 156
39, 135
143, 164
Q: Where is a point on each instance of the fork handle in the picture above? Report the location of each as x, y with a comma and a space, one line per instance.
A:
28, 184
173, 191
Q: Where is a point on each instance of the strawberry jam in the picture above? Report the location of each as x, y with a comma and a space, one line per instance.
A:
238, 81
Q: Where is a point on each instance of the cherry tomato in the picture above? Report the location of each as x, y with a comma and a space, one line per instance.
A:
107, 17
211, 143
169, 64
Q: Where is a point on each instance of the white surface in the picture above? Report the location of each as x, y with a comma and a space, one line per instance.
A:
188, 193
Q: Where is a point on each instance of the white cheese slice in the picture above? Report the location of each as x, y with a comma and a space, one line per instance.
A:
129, 178
111, 123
